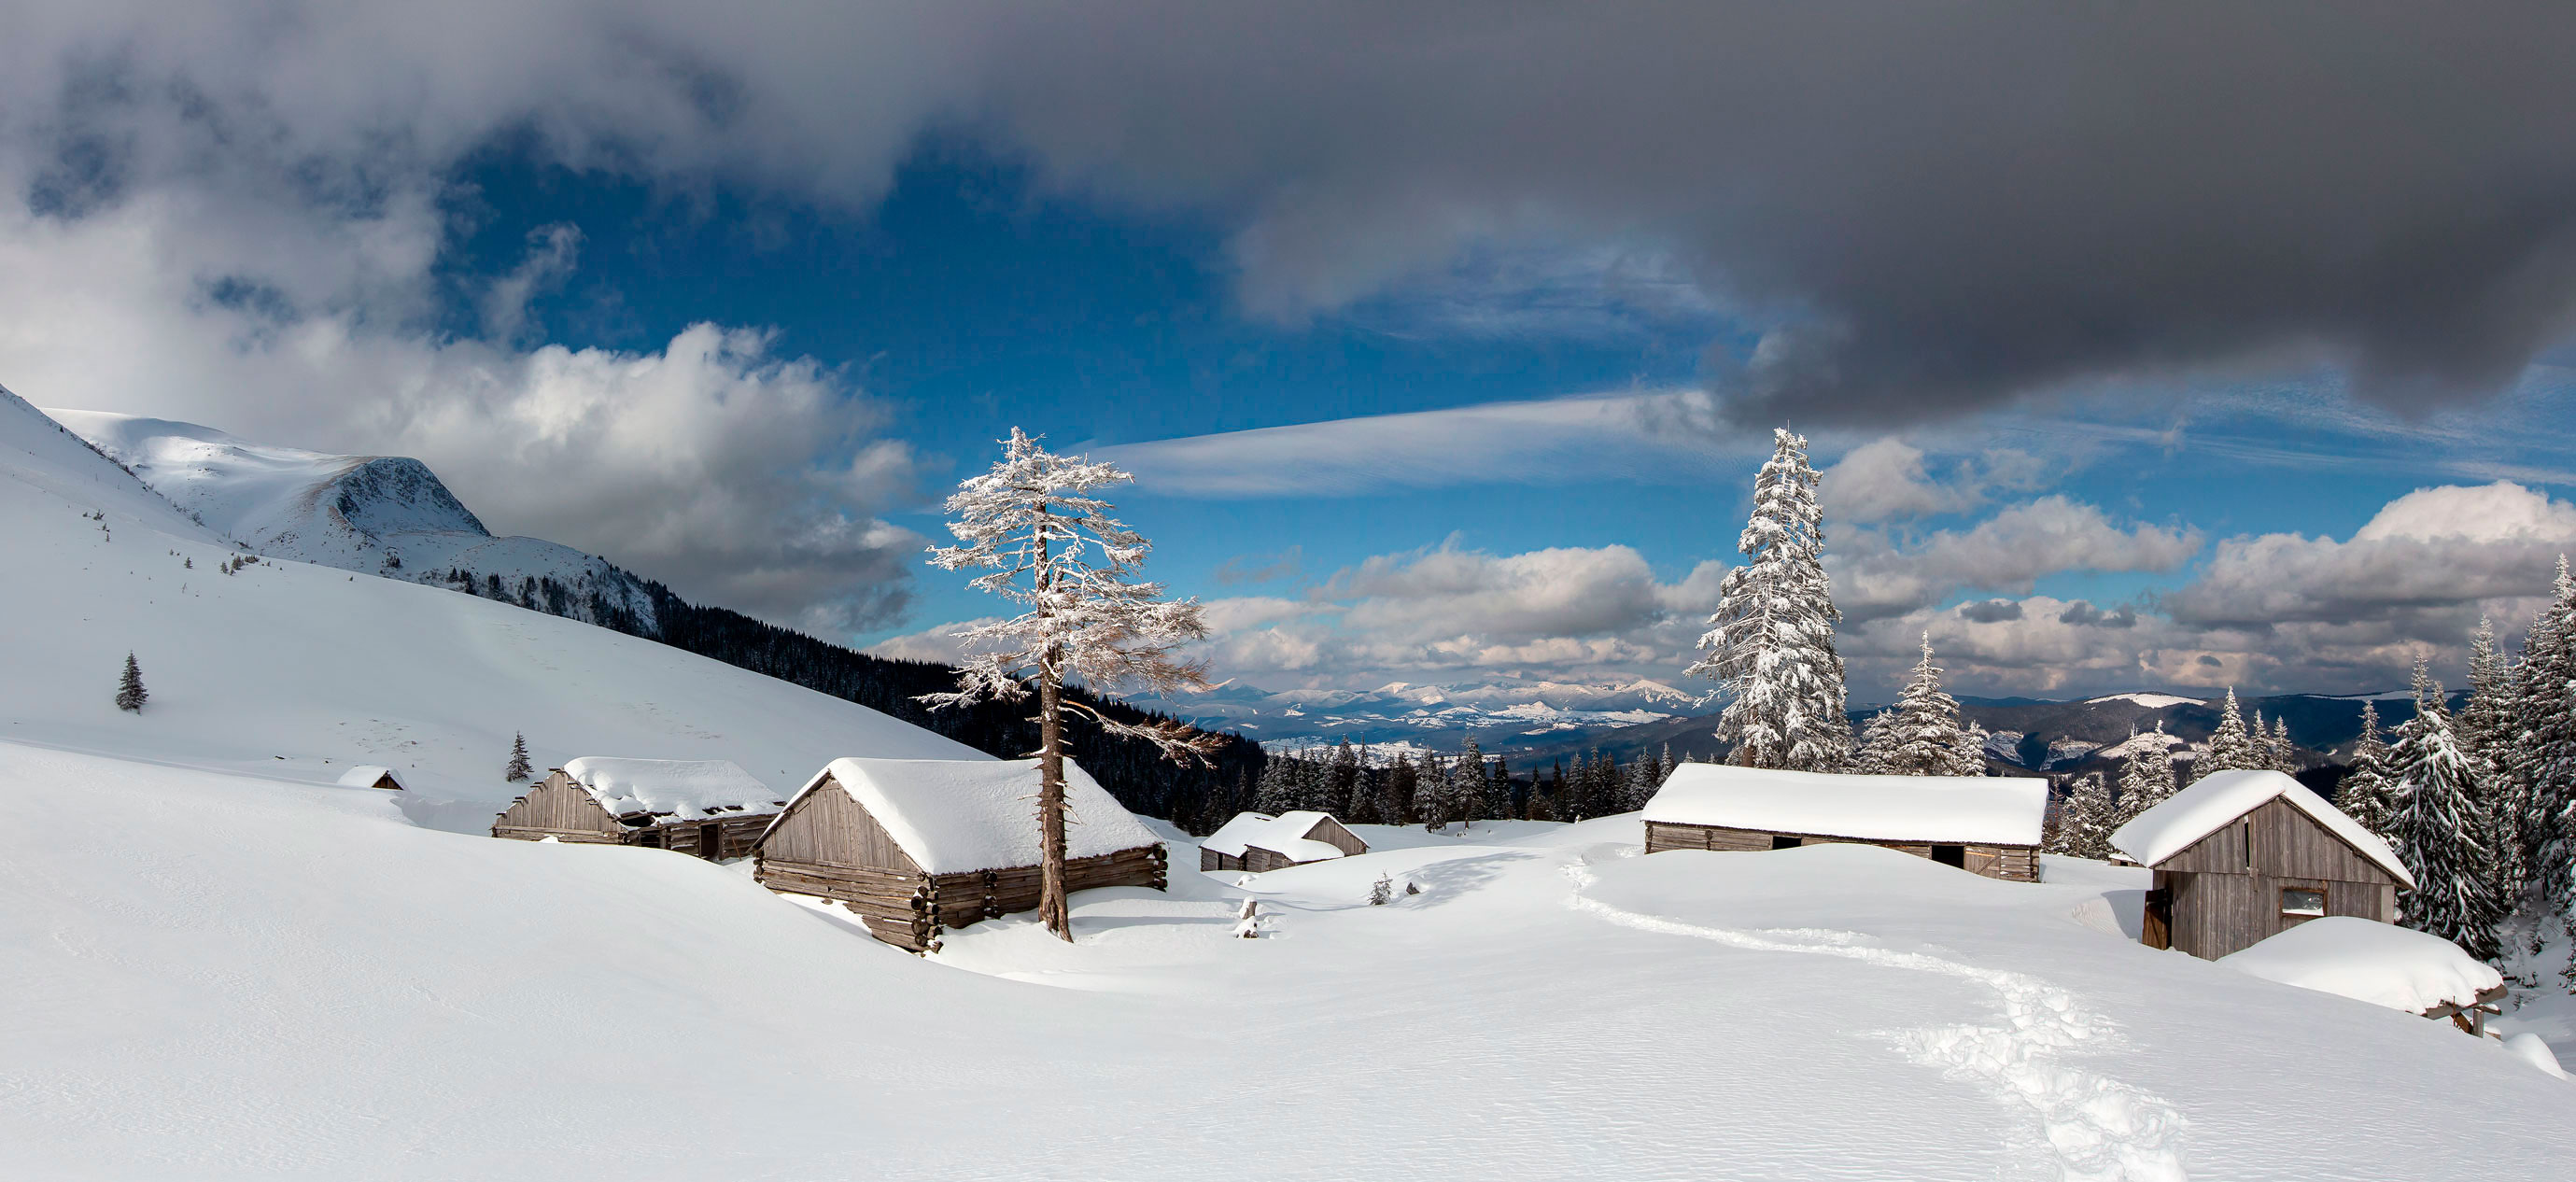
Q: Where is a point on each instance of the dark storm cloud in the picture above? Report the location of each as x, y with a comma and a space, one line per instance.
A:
1943, 204
1991, 611
1933, 206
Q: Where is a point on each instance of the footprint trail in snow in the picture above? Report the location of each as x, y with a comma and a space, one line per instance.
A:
2092, 1128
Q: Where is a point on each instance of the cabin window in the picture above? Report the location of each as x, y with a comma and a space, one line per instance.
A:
650, 839
2303, 902
1779, 842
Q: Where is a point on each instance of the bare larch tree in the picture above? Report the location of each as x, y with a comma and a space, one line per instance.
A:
1052, 549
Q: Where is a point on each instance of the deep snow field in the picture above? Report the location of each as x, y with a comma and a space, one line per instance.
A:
214, 964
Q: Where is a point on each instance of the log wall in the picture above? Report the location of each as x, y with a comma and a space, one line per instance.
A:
827, 845
2011, 863
556, 807
2224, 890
1337, 835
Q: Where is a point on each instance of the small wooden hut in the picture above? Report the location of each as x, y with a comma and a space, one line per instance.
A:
711, 807
2243, 855
1259, 841
915, 846
1987, 825
371, 776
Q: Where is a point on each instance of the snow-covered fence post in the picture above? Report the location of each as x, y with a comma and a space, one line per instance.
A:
1052, 549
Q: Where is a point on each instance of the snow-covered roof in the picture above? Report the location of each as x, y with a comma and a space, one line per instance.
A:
2220, 797
366, 775
682, 788
1284, 834
956, 815
2366, 960
1977, 810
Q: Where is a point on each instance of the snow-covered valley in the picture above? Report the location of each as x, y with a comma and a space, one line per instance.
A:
221, 965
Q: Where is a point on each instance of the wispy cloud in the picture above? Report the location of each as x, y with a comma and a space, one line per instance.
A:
1585, 437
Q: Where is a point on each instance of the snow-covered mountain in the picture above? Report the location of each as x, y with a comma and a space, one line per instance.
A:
1497, 713
301, 670
378, 515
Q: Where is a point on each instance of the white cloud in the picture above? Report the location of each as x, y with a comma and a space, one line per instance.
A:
2434, 553
1875, 574
1885, 479
739, 478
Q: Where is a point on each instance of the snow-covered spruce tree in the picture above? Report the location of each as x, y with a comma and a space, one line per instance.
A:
2487, 732
1343, 779
2146, 780
1431, 794
2285, 751
1498, 791
1050, 547
2541, 761
1771, 640
1924, 736
130, 694
1277, 793
2084, 821
2366, 794
2230, 747
1468, 786
1969, 757
518, 769
2439, 833
1877, 749
1395, 792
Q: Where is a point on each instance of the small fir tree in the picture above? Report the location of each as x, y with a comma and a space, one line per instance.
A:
2230, 747
1431, 794
2366, 794
1468, 786
519, 769
130, 694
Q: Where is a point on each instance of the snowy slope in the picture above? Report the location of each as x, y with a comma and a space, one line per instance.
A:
301, 671
381, 515
186, 1003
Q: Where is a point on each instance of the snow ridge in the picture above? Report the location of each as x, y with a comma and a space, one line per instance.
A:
2091, 1127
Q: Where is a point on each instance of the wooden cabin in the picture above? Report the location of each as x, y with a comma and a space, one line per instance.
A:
1987, 825
916, 846
1259, 841
371, 776
2243, 855
710, 808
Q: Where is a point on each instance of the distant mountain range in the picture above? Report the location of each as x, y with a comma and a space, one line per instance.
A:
1546, 721
1406, 715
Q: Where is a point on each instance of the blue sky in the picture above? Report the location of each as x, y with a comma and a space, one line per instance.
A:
969, 302
1439, 357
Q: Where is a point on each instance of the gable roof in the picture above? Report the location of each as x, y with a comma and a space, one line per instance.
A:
1968, 810
951, 816
684, 789
2182, 819
365, 775
1284, 834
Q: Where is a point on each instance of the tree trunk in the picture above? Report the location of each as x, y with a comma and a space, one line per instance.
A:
1051, 904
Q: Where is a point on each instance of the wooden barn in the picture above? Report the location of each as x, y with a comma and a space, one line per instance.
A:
371, 776
1259, 841
709, 807
915, 846
2243, 855
1985, 825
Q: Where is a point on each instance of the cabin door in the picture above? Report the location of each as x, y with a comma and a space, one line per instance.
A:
2155, 928
711, 842
1951, 855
